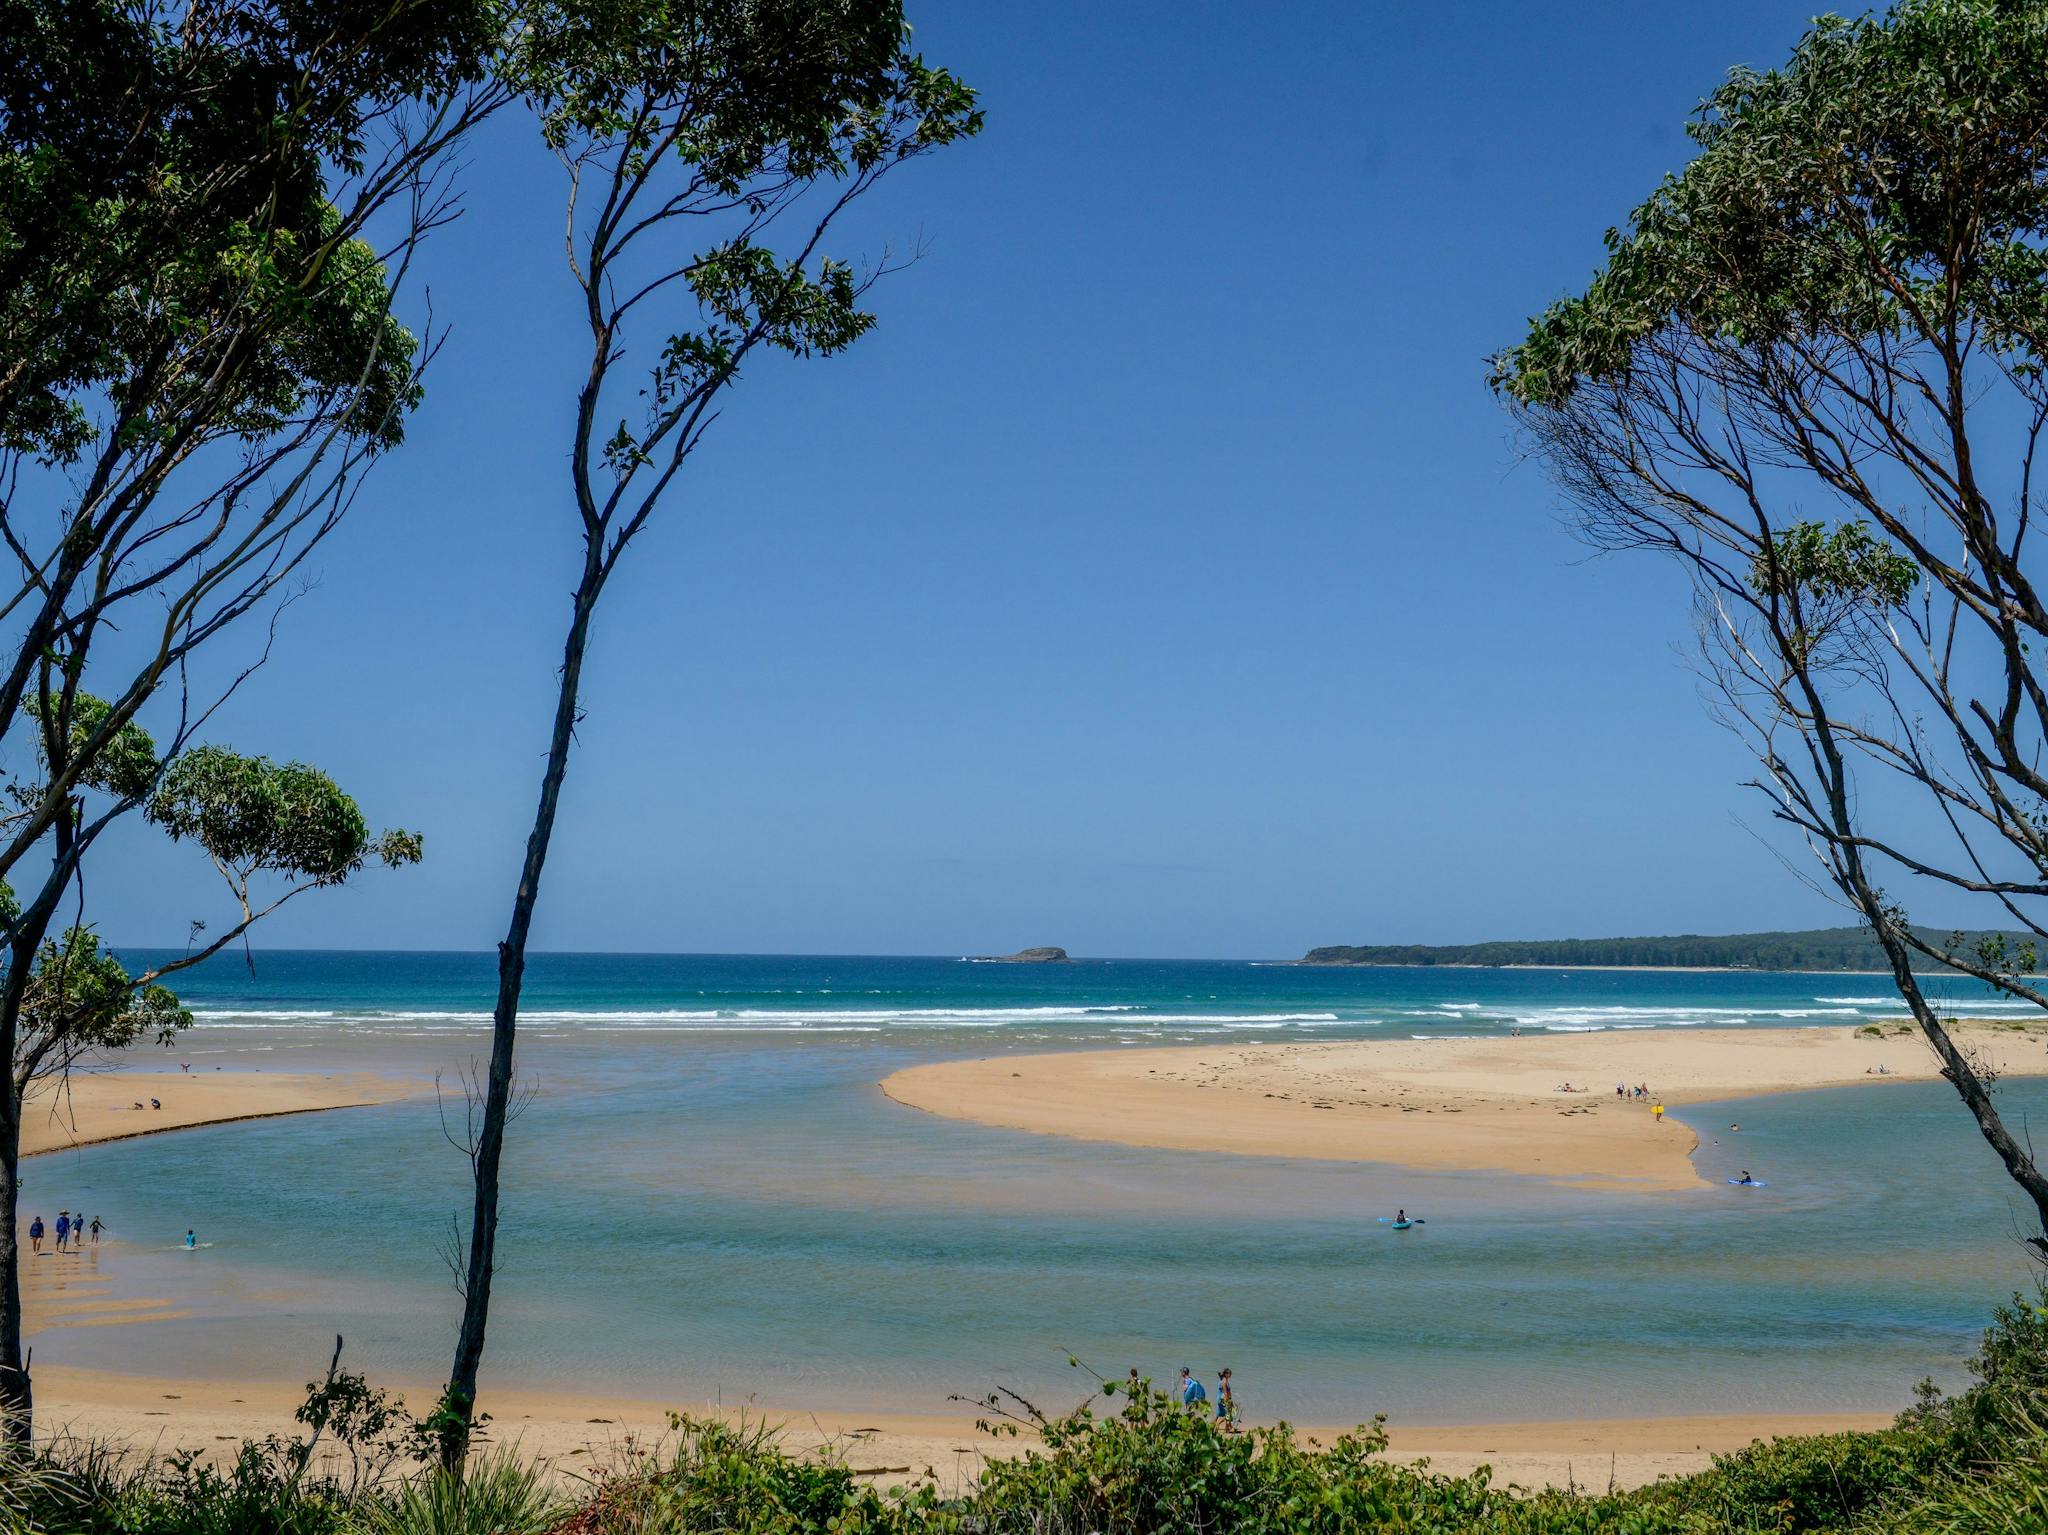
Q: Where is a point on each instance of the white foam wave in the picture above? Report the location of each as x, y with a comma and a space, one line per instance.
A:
745, 1017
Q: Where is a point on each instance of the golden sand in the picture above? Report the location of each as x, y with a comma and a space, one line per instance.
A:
1480, 1104
113, 1106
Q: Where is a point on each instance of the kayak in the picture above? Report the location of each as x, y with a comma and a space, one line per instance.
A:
1402, 1225
1749, 1183
1388, 1220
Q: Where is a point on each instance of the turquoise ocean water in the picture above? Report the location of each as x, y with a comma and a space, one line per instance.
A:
708, 1198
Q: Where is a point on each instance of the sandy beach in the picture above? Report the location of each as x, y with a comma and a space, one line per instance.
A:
113, 1106
1491, 1104
589, 1431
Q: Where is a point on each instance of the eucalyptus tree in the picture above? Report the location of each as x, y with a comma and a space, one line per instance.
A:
1811, 370
709, 148
207, 208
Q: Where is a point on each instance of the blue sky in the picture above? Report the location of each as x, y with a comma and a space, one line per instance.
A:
1157, 579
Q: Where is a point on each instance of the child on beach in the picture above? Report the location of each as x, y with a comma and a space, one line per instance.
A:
35, 1234
97, 1228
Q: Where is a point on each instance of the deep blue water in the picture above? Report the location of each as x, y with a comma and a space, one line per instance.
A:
709, 1198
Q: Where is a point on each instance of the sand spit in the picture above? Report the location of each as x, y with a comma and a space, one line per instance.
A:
1490, 1103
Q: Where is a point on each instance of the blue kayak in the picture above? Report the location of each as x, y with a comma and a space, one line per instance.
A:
1749, 1183
1401, 1225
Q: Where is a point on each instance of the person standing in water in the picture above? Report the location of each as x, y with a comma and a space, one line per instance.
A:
191, 1239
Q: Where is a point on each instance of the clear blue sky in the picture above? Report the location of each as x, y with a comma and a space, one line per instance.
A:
1157, 579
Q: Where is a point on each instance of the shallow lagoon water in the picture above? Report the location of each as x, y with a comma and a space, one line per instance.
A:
711, 1207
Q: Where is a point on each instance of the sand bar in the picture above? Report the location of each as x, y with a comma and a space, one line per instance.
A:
95, 1107
1488, 1103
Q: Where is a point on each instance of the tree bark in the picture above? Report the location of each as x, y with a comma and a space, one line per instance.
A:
2019, 1166
17, 1398
483, 1228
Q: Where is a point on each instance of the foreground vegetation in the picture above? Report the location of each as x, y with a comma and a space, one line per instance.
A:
1122, 1464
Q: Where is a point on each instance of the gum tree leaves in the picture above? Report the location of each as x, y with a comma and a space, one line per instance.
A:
253, 815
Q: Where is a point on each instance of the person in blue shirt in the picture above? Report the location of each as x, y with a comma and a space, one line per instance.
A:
1192, 1393
63, 1228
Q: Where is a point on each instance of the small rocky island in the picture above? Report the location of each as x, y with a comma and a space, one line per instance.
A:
1047, 956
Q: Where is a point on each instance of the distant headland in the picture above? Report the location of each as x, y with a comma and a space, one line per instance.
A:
1829, 948
1044, 956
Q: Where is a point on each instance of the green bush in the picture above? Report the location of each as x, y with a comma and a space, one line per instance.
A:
496, 1494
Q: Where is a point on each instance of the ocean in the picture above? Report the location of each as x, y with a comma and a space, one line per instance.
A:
708, 1199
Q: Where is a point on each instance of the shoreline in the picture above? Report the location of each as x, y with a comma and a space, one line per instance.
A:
92, 1109
1486, 1103
578, 1430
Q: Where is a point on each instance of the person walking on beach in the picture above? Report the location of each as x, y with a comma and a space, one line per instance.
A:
1192, 1392
35, 1234
1226, 1403
63, 1228
97, 1227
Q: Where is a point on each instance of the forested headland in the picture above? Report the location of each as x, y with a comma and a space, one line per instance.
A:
1827, 948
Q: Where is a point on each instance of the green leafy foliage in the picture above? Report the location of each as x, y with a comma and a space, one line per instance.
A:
81, 999
252, 814
122, 765
495, 1494
1848, 565
164, 225
1889, 174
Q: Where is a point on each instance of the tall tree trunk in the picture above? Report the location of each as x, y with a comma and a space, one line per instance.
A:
2019, 1165
17, 1399
490, 1145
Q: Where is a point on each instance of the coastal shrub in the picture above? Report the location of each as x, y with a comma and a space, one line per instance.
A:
495, 1494
1808, 1483
2002, 1412
738, 1478
1154, 1467
255, 1493
2004, 1499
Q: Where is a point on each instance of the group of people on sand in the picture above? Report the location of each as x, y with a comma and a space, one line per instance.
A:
1640, 1093
71, 1231
1194, 1396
